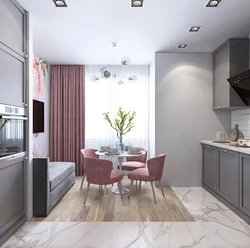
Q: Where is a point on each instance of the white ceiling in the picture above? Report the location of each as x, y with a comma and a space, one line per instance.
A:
83, 33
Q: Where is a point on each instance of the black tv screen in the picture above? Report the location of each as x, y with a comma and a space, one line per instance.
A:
38, 116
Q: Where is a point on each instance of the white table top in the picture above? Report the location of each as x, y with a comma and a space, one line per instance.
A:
121, 155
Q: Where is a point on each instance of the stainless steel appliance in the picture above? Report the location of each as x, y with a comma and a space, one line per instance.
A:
12, 130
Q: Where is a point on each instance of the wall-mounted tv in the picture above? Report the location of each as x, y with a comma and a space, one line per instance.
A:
38, 116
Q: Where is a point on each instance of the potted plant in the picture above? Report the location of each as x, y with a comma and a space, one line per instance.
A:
122, 124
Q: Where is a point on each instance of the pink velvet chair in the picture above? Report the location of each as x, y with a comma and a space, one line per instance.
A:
87, 153
152, 173
99, 171
135, 162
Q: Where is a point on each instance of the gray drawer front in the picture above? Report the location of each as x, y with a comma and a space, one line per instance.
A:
245, 183
11, 194
228, 171
209, 166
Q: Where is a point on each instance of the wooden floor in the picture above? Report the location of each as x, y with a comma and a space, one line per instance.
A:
140, 207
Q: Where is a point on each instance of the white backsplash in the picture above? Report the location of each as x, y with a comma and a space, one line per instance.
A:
242, 118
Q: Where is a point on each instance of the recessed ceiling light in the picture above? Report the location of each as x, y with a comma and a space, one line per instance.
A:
194, 29
137, 3
60, 3
182, 46
213, 3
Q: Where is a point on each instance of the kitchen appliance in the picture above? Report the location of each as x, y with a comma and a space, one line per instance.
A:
12, 130
241, 85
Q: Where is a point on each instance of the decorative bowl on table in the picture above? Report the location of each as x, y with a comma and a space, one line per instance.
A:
112, 151
134, 150
104, 148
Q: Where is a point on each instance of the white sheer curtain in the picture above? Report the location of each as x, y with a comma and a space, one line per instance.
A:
106, 96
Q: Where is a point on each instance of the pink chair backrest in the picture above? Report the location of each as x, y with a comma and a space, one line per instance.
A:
98, 171
155, 167
142, 158
88, 153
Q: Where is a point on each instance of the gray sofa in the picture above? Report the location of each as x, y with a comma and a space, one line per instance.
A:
51, 180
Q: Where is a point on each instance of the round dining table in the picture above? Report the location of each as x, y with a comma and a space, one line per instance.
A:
120, 157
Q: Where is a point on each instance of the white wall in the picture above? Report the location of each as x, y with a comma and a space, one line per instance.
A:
184, 115
151, 125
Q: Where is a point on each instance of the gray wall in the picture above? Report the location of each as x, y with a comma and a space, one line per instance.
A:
184, 115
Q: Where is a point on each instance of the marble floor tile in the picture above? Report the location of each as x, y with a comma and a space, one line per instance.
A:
203, 206
131, 234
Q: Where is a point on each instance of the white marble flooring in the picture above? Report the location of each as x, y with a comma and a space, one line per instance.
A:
215, 226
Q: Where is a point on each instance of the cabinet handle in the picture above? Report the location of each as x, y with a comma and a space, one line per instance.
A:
225, 150
26, 56
219, 106
208, 146
25, 105
25, 157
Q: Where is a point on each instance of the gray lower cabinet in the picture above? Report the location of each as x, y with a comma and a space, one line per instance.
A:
245, 183
209, 166
12, 196
228, 178
228, 175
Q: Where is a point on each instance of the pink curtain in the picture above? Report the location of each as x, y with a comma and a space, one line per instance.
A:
67, 114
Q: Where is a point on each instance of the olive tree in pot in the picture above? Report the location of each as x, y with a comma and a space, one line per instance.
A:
122, 124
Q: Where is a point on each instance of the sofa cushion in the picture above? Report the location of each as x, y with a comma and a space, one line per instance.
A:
58, 171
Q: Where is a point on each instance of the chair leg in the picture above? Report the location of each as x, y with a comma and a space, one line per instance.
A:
130, 188
83, 177
120, 189
140, 186
136, 184
104, 201
161, 188
86, 193
152, 186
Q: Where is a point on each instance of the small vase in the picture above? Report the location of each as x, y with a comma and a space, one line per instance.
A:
119, 145
234, 133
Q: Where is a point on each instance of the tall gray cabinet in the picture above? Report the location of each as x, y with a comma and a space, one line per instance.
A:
13, 81
229, 59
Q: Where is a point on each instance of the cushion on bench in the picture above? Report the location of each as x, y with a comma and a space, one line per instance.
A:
58, 171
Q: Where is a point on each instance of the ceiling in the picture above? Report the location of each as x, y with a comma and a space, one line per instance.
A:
83, 33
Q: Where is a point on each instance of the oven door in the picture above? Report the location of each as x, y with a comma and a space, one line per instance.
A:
12, 135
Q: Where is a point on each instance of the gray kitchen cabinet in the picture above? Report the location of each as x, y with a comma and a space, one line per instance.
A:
209, 176
12, 194
229, 59
245, 183
12, 72
12, 20
228, 179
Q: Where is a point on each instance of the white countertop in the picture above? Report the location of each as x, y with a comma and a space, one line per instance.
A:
226, 146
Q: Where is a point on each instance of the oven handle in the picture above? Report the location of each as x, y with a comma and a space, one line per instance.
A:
14, 117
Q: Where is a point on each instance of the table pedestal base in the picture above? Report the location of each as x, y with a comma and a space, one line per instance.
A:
117, 191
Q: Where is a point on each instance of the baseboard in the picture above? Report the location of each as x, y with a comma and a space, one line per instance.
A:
12, 230
228, 204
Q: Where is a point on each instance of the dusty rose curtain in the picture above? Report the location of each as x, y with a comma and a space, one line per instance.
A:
67, 114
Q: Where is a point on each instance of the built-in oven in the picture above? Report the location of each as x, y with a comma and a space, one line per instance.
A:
13, 123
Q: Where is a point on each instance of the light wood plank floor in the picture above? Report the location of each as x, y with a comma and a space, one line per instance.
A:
139, 208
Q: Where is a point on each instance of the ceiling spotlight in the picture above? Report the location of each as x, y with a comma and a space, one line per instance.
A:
60, 3
213, 3
194, 29
136, 3
182, 46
